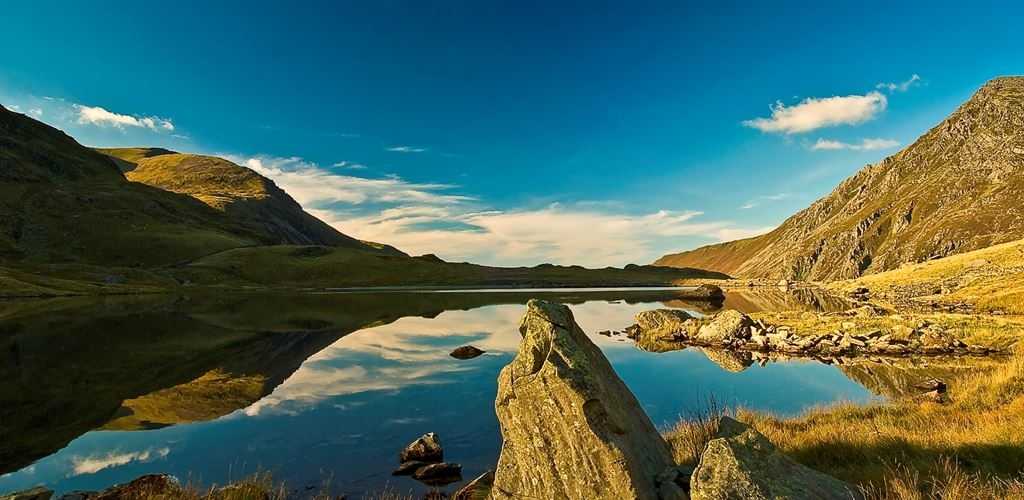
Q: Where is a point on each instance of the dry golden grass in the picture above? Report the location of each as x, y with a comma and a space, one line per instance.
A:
972, 447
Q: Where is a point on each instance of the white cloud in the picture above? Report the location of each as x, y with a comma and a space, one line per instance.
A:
406, 149
761, 199
900, 86
349, 165
36, 112
864, 145
424, 218
312, 185
92, 465
820, 112
95, 115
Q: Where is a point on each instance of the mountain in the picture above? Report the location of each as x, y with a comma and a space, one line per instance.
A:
957, 188
61, 202
246, 197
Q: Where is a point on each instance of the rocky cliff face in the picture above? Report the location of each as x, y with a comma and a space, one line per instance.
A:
956, 189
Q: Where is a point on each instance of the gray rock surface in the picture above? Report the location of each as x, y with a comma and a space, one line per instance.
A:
37, 493
741, 464
571, 427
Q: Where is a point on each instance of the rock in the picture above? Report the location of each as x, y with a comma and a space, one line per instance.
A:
933, 396
79, 495
665, 324
729, 360
148, 486
725, 327
709, 292
742, 464
477, 489
439, 474
37, 493
409, 468
466, 352
426, 448
570, 427
932, 384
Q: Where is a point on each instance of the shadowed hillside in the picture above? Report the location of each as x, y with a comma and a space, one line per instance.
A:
956, 189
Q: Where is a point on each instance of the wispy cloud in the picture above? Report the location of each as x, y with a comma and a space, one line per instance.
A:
406, 149
819, 112
94, 464
863, 145
95, 115
762, 199
433, 218
900, 86
349, 165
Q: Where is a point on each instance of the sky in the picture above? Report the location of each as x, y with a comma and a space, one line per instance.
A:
516, 133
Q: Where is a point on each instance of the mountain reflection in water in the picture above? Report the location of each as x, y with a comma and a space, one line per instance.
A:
315, 387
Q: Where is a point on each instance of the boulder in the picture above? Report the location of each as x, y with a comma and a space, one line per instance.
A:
725, 327
665, 324
426, 448
148, 486
571, 428
439, 474
466, 352
729, 360
477, 489
740, 463
409, 468
37, 493
712, 293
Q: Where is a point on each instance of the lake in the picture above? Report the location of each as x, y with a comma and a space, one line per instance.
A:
326, 388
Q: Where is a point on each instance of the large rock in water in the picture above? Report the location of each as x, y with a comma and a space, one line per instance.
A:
571, 428
741, 464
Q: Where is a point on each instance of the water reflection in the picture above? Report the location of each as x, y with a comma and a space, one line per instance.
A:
313, 387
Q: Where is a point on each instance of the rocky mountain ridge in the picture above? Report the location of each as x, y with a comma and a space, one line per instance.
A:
956, 189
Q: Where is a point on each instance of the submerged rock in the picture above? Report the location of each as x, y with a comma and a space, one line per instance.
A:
571, 428
37, 493
426, 448
466, 352
439, 474
742, 464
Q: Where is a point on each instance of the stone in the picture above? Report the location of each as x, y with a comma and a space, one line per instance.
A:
79, 495
477, 489
729, 360
439, 474
932, 384
37, 493
740, 463
148, 486
466, 352
426, 448
665, 324
708, 292
409, 468
724, 327
571, 429
933, 396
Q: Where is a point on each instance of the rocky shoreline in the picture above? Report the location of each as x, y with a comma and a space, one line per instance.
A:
734, 330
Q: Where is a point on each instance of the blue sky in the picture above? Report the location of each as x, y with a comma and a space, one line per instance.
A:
520, 132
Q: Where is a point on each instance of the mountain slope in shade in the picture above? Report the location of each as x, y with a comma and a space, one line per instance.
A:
243, 195
958, 188
61, 202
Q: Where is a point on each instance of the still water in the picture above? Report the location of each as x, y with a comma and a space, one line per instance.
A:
320, 389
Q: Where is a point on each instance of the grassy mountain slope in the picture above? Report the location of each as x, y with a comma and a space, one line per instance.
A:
243, 195
64, 203
956, 189
986, 280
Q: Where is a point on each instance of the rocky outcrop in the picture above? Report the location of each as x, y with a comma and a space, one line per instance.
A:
571, 428
740, 463
477, 489
956, 189
37, 493
658, 330
423, 459
426, 448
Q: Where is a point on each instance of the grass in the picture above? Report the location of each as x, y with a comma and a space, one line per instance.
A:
972, 447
